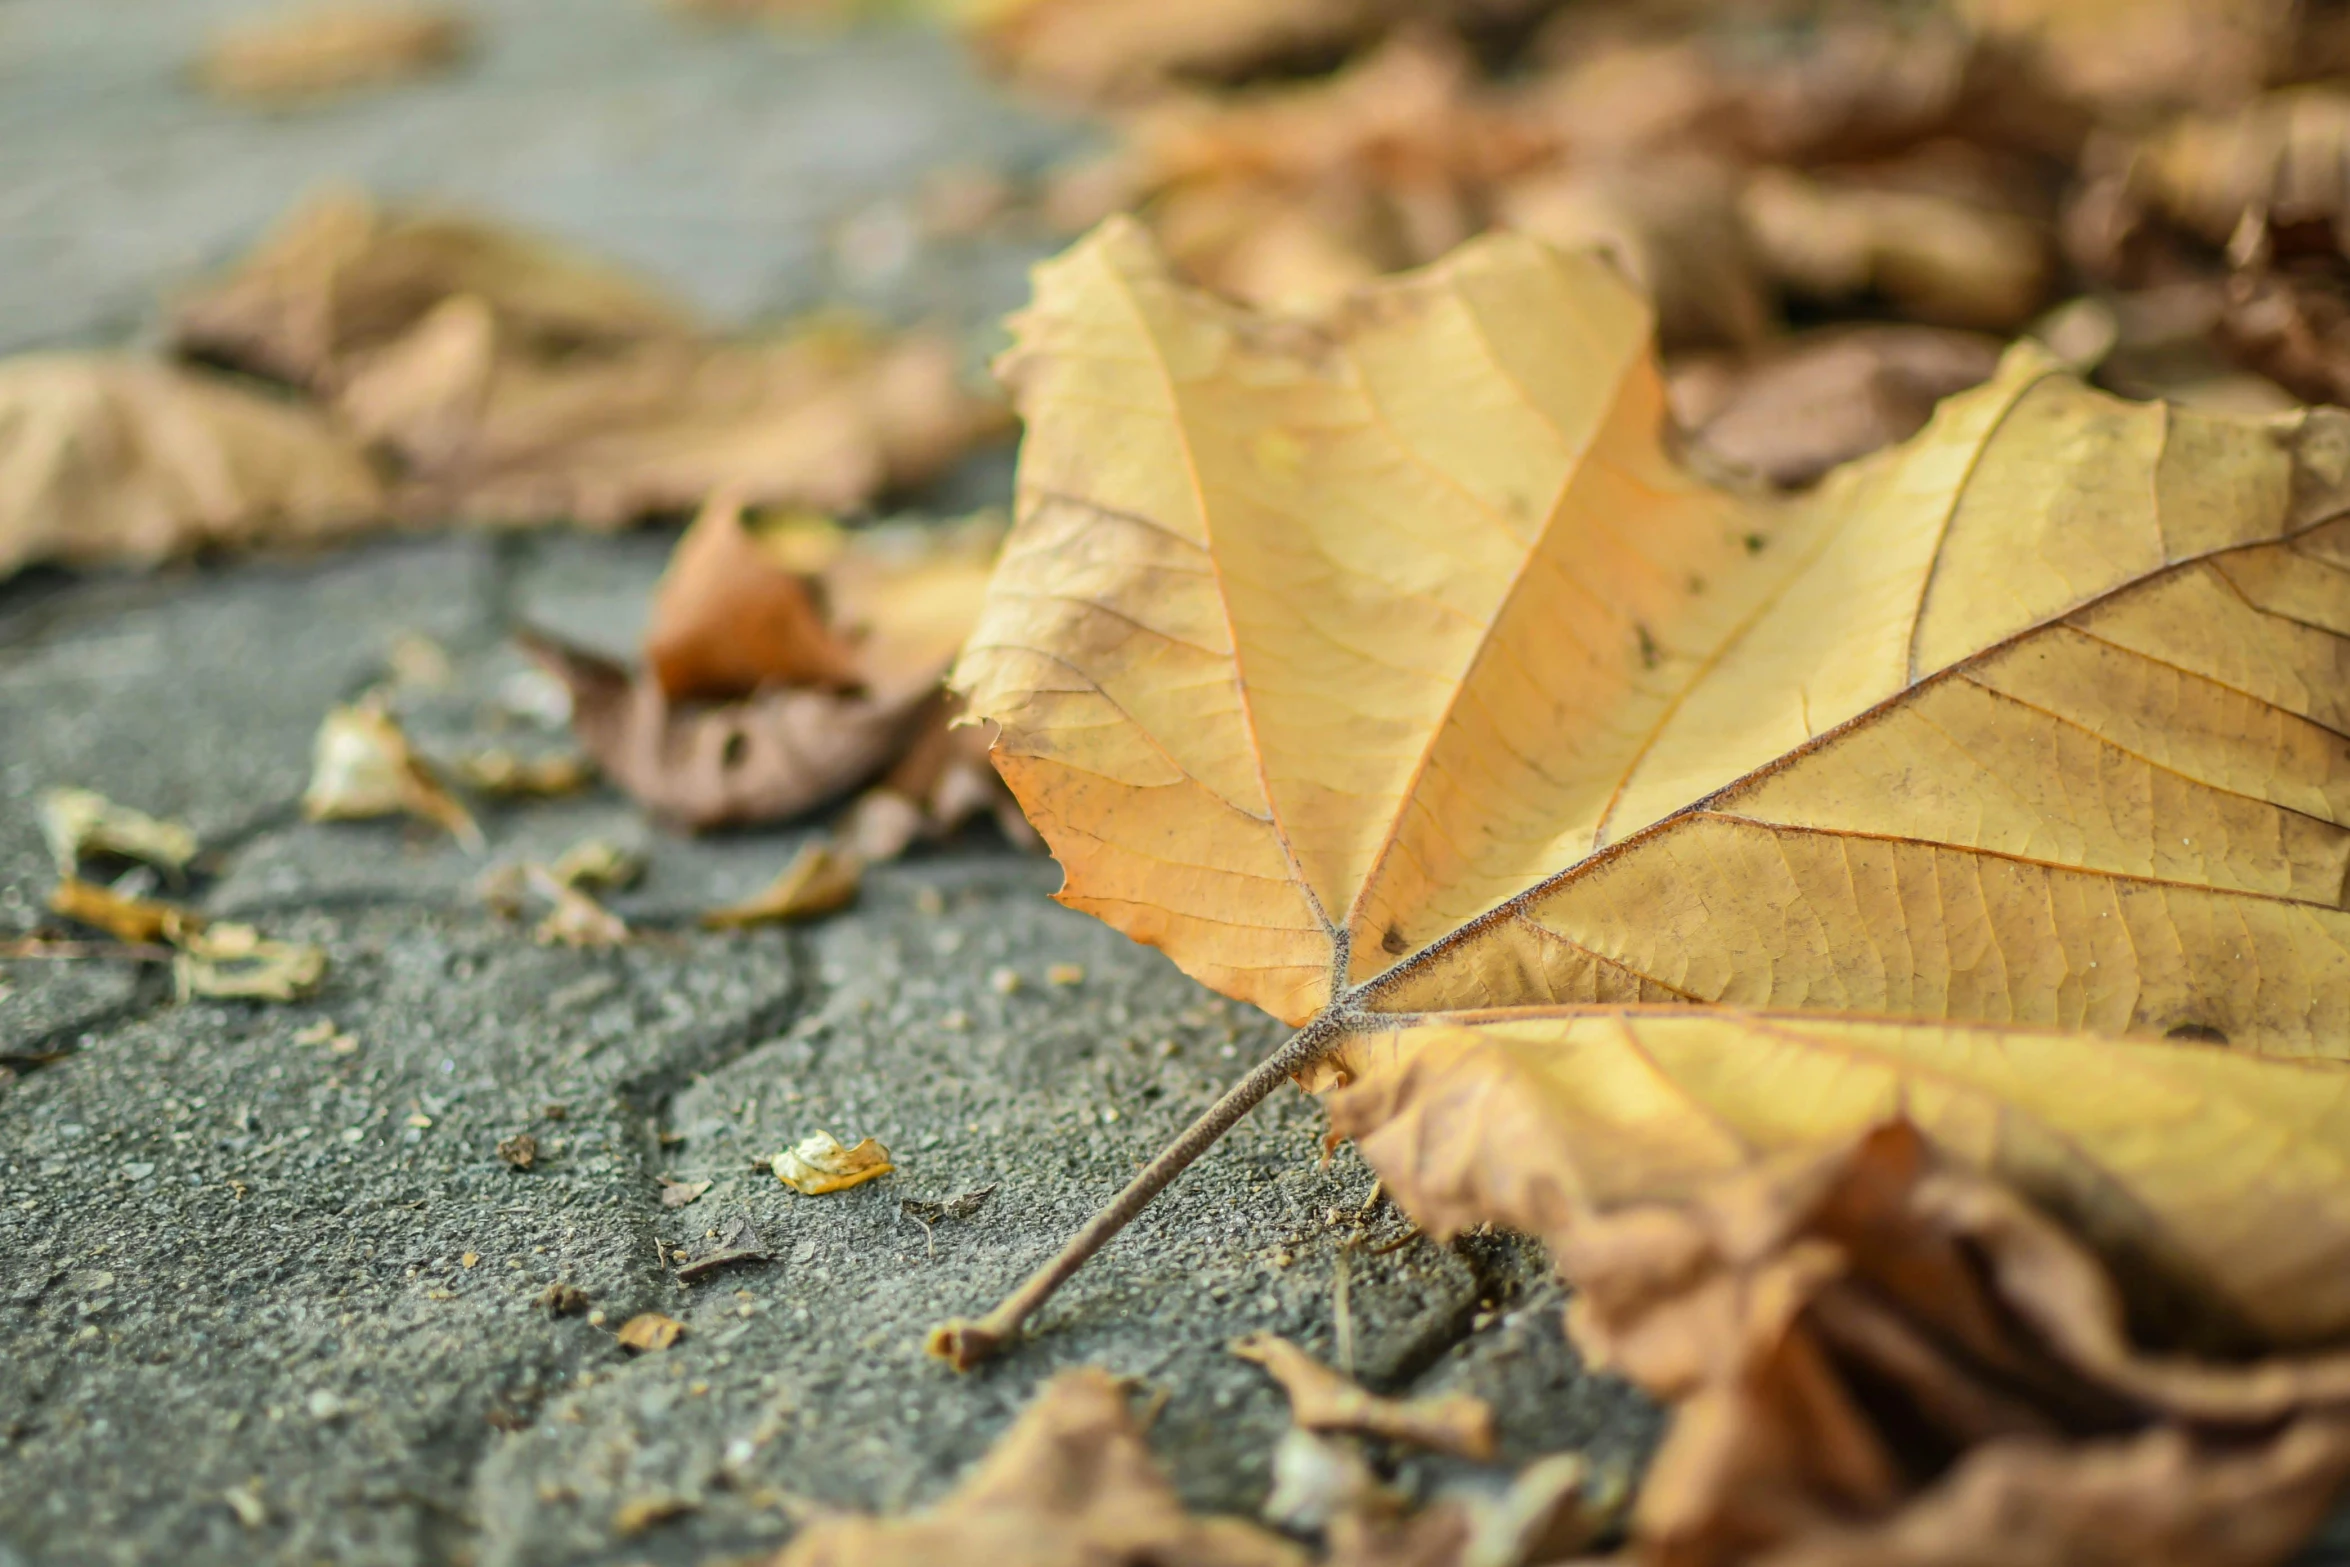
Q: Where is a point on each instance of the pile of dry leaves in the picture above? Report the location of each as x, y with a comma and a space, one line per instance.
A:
413, 368
1839, 207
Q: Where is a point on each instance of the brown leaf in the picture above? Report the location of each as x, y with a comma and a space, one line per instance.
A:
765, 758
329, 49
1321, 1399
107, 459
1072, 1481
897, 602
1812, 402
677, 1194
2128, 56
733, 612
1879, 1356
341, 279
1106, 49
520, 1151
491, 428
818, 881
650, 1332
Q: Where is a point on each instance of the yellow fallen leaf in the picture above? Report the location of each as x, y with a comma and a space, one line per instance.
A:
650, 1332
818, 880
818, 1164
362, 767
1321, 1399
1607, 832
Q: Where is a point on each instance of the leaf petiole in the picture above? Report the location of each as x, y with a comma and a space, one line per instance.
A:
963, 1343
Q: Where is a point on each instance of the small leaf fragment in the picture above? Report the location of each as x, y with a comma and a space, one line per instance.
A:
819, 880
79, 822
818, 1164
507, 775
124, 918
520, 1151
650, 1332
1321, 1399
362, 767
236, 962
678, 1194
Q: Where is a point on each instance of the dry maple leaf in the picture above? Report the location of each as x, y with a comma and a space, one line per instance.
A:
1609, 831
329, 49
107, 459
1071, 1482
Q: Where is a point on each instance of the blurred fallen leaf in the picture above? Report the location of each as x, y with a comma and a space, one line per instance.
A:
1321, 1399
598, 865
677, 1194
339, 280
113, 460
818, 880
520, 1151
236, 962
650, 1332
1943, 261
636, 1515
363, 768
818, 1164
1072, 1481
79, 822
2133, 56
1878, 1355
1317, 1481
507, 775
328, 49
1824, 824
1812, 402
122, 917
829, 416
1109, 49
896, 603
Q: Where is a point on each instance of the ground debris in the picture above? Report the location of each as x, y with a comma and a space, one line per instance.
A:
679, 1194
362, 768
1321, 1399
328, 49
650, 1332
520, 1151
738, 1242
819, 880
80, 822
818, 1164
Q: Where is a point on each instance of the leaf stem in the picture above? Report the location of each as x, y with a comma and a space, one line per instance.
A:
964, 1343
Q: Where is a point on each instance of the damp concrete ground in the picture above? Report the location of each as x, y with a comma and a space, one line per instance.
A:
268, 1292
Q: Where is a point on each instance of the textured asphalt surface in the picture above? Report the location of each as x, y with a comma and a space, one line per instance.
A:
267, 1290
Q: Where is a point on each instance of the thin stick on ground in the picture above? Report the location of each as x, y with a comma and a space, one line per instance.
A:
964, 1343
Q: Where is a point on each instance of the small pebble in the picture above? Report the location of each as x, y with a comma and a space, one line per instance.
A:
1004, 981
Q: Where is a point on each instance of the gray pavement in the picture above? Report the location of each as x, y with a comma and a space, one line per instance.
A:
267, 1299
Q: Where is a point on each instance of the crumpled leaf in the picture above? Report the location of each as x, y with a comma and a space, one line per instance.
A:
1106, 49
1321, 1399
1787, 1306
1627, 831
110, 459
2135, 55
328, 49
896, 602
512, 382
1071, 1481
573, 918
1812, 402
818, 1164
737, 607
362, 768
818, 881
829, 417
237, 962
341, 279
79, 822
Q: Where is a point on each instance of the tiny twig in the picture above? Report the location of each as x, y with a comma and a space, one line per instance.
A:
964, 1343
